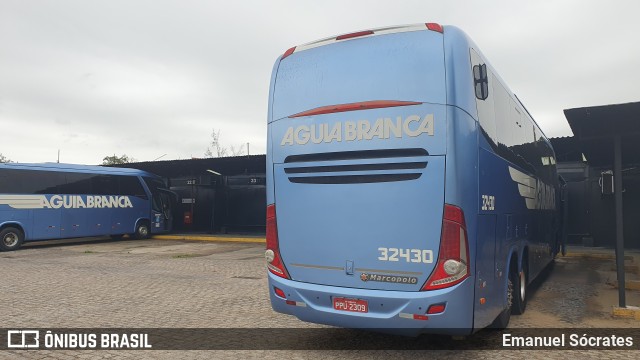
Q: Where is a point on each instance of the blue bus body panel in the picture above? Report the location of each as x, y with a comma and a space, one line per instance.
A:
459, 77
388, 310
405, 66
316, 247
269, 155
312, 134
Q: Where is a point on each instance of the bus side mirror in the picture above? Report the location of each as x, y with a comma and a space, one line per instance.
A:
606, 182
481, 81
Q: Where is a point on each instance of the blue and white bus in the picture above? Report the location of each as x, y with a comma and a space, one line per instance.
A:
408, 188
55, 201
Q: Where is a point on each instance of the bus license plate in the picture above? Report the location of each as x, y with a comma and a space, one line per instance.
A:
354, 305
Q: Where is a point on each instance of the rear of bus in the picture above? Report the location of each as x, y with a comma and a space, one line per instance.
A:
359, 234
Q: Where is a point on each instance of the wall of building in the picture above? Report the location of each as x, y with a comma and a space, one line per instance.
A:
591, 214
232, 202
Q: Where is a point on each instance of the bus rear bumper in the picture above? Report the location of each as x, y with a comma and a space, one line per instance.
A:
388, 311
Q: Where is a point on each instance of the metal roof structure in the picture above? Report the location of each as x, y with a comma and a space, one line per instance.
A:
595, 127
610, 136
227, 166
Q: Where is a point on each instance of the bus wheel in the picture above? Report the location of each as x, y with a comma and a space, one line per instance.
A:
502, 321
520, 293
10, 239
142, 230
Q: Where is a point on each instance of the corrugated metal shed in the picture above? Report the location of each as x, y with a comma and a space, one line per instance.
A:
595, 126
227, 166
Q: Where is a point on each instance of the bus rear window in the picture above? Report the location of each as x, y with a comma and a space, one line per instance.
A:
405, 66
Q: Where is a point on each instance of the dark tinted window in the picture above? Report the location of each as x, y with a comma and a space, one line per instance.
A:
154, 183
130, 185
77, 183
14, 181
104, 185
520, 140
10, 181
7, 186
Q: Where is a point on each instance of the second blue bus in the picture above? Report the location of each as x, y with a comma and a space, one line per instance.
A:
55, 201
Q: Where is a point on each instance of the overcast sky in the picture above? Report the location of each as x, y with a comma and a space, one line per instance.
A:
148, 78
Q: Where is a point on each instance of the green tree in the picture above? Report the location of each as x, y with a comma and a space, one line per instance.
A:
117, 160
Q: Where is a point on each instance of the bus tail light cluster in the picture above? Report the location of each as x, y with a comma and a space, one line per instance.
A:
453, 259
272, 255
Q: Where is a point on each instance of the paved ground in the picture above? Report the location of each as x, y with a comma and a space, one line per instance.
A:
180, 284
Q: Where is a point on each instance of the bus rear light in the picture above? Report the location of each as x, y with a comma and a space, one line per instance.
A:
279, 292
453, 267
272, 254
288, 52
436, 309
365, 105
435, 27
355, 34
296, 303
413, 316
453, 259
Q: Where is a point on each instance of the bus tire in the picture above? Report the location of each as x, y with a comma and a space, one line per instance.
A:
11, 239
520, 290
142, 230
502, 321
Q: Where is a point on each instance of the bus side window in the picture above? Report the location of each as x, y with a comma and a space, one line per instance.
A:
130, 185
30, 182
77, 183
105, 185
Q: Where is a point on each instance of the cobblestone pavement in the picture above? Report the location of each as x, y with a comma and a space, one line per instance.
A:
173, 284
